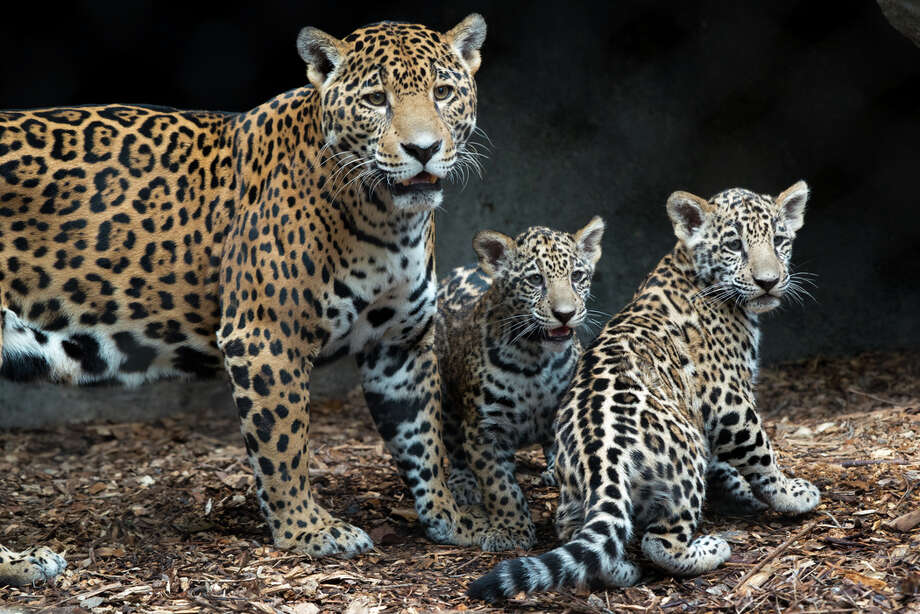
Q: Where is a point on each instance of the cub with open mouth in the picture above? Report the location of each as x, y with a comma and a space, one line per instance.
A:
507, 351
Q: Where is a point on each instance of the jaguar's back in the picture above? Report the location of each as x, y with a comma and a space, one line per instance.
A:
109, 239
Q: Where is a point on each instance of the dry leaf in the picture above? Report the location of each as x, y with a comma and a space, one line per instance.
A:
863, 580
906, 522
362, 605
406, 513
303, 608
757, 580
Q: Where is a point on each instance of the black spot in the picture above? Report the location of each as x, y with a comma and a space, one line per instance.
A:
378, 317
139, 357
85, 348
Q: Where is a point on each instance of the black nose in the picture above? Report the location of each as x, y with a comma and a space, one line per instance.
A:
563, 316
422, 154
766, 284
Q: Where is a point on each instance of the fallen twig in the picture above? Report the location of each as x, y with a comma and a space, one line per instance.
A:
775, 553
863, 462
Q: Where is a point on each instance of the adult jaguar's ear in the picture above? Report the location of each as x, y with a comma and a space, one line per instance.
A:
588, 239
466, 39
493, 249
791, 204
687, 212
322, 53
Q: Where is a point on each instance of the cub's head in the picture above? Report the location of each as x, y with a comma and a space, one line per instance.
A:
741, 242
544, 277
398, 105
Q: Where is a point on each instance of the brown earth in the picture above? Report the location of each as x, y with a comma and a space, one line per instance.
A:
161, 517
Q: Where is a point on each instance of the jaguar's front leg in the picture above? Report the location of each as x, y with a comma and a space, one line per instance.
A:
271, 388
402, 389
740, 442
493, 463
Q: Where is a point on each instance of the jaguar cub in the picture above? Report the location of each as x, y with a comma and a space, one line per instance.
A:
664, 398
507, 350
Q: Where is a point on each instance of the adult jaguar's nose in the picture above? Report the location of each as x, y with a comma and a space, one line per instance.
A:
422, 154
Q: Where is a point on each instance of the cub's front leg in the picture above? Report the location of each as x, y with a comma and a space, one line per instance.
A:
270, 376
403, 391
490, 454
739, 441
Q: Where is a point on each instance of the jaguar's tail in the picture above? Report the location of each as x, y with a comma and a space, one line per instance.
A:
594, 553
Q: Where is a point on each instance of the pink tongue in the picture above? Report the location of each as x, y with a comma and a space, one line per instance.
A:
562, 331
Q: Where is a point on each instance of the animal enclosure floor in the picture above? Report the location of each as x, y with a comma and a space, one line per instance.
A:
161, 516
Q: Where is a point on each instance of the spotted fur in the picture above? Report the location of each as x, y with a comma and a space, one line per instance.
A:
140, 242
507, 349
664, 396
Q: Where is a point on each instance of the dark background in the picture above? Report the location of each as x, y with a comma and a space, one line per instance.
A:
591, 108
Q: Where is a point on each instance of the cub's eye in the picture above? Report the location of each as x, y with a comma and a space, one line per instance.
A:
578, 276
535, 280
778, 240
443, 92
734, 245
376, 99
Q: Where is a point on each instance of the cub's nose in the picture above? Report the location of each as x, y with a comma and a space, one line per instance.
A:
422, 154
766, 284
563, 316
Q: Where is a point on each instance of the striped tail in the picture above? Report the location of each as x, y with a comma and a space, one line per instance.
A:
595, 553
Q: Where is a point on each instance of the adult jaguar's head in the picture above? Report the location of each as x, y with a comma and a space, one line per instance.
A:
398, 104
543, 277
741, 242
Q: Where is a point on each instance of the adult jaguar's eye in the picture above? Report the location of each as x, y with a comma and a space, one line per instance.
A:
376, 99
443, 92
535, 280
734, 245
778, 240
578, 276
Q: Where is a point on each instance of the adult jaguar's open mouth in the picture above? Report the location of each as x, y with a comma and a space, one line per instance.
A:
423, 182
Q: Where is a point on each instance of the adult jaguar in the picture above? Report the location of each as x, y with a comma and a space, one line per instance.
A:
140, 242
665, 396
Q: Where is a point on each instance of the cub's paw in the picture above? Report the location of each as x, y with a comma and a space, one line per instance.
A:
712, 551
498, 539
622, 573
464, 525
795, 496
548, 478
30, 566
464, 487
334, 538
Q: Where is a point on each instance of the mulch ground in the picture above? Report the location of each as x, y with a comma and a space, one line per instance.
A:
161, 516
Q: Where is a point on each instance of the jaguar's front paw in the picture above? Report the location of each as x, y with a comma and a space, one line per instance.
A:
335, 537
548, 478
497, 539
464, 487
464, 525
795, 496
30, 566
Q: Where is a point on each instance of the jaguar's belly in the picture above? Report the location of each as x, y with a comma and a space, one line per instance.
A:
85, 355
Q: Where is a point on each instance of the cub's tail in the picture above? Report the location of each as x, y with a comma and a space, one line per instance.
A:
595, 553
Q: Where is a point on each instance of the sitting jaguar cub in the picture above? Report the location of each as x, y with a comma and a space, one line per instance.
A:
507, 349
665, 396
142, 242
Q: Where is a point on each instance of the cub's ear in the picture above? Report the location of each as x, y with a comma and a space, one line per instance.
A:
687, 213
588, 239
791, 203
322, 53
493, 249
466, 38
